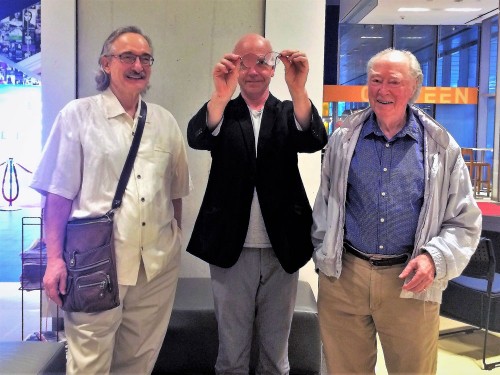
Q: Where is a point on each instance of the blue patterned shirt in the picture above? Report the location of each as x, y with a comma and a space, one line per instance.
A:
385, 189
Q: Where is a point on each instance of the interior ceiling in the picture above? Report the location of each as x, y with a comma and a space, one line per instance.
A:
385, 12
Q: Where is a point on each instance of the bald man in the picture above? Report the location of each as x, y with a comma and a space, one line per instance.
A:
254, 224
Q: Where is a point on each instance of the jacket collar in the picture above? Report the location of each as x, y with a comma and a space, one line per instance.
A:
270, 102
434, 129
267, 123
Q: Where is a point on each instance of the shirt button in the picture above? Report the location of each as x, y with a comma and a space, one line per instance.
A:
142, 199
382, 220
385, 169
383, 193
381, 247
143, 224
138, 176
387, 145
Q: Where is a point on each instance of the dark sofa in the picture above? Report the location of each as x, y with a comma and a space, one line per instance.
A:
190, 346
31, 357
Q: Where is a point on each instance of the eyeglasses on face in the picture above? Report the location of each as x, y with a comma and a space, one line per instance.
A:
130, 58
250, 60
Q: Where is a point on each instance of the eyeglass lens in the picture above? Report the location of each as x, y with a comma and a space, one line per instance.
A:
250, 60
129, 58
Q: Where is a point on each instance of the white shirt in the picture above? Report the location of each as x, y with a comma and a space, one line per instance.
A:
257, 236
83, 160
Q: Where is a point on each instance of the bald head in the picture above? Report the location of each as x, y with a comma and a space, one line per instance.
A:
252, 43
254, 79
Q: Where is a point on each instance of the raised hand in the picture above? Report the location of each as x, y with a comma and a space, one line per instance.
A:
296, 69
225, 77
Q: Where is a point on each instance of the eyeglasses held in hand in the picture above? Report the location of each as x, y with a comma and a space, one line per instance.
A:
130, 58
250, 60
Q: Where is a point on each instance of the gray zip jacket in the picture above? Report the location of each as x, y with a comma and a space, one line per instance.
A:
449, 225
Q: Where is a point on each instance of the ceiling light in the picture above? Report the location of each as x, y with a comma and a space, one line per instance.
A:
463, 9
372, 37
413, 9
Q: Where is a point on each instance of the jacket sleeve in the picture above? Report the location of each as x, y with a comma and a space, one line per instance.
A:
460, 229
198, 134
314, 138
320, 209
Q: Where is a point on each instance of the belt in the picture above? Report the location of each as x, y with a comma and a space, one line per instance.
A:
376, 259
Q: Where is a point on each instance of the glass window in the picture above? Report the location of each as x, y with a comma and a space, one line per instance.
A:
457, 66
20, 102
421, 41
490, 127
447, 54
457, 56
357, 44
492, 76
492, 81
460, 121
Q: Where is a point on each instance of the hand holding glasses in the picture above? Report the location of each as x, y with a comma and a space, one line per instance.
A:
250, 60
130, 58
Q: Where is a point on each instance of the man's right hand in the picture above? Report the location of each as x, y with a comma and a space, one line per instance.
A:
54, 280
55, 218
225, 77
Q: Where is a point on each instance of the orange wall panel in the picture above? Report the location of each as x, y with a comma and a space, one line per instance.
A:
430, 95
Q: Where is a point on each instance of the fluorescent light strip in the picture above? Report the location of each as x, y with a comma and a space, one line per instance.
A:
413, 9
372, 37
462, 9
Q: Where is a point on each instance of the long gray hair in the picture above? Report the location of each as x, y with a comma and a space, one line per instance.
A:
415, 69
102, 78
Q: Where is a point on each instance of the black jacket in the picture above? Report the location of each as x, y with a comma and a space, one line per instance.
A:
222, 223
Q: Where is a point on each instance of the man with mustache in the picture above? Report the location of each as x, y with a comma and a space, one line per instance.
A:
254, 223
78, 175
394, 219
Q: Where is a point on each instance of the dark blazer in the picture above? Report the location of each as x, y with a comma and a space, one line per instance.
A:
222, 223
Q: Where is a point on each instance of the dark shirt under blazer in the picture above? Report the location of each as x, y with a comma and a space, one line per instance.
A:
222, 223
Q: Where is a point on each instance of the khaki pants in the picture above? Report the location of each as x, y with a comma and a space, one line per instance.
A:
126, 339
365, 302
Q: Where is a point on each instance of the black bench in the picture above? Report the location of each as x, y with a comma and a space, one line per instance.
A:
191, 343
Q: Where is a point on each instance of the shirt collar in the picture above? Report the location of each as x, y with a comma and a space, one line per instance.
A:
412, 127
112, 105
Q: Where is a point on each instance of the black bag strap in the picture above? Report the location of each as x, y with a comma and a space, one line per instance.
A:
129, 162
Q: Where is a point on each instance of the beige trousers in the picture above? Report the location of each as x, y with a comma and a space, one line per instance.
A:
126, 339
365, 302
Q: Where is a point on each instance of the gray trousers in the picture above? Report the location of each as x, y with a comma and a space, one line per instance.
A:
255, 294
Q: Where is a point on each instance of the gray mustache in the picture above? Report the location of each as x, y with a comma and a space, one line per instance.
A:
136, 75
